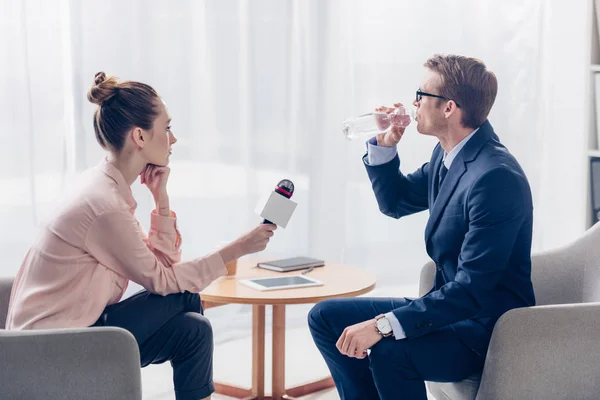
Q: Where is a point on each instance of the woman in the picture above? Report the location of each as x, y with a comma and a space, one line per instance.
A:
78, 267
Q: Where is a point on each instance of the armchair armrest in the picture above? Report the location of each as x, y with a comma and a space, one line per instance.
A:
88, 363
426, 278
546, 352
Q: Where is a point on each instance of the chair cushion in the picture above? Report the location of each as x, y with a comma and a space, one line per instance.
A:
463, 390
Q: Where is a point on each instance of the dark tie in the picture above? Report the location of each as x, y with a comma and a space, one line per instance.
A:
441, 176
443, 172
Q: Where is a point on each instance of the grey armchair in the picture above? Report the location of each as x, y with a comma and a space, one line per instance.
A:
552, 350
67, 364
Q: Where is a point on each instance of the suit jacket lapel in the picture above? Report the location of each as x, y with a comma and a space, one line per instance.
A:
467, 154
434, 176
457, 169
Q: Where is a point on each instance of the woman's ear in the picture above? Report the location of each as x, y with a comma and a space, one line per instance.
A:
137, 134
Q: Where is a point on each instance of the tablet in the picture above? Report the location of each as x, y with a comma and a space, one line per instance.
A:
281, 282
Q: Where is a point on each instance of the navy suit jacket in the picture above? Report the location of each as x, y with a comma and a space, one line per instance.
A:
478, 234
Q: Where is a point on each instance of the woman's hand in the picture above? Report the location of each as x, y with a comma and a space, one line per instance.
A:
257, 239
155, 178
252, 242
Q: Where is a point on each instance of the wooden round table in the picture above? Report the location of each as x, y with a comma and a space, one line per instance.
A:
339, 281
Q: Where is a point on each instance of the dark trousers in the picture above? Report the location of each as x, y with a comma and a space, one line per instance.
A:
394, 369
169, 328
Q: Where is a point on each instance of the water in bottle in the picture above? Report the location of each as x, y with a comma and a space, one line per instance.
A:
369, 125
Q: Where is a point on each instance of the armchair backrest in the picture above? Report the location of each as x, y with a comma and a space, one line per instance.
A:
5, 288
568, 274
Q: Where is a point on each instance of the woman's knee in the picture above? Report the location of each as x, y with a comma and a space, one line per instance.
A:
194, 335
200, 323
196, 325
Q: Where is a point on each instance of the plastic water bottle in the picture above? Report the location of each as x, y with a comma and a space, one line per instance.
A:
369, 125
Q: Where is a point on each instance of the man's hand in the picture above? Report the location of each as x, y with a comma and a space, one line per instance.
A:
356, 339
394, 134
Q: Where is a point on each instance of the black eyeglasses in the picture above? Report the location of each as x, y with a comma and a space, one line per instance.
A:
420, 95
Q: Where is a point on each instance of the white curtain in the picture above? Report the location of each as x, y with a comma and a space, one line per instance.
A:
258, 89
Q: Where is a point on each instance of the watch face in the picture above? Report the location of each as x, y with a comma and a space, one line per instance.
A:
384, 325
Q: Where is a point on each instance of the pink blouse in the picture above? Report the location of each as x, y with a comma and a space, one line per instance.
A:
89, 249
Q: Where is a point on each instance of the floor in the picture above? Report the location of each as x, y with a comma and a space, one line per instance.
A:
233, 362
232, 359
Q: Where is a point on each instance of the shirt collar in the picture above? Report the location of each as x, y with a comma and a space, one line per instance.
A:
449, 157
124, 189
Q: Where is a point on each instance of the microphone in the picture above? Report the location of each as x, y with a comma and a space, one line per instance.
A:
277, 208
284, 188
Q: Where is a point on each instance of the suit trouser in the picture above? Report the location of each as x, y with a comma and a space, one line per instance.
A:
169, 328
394, 369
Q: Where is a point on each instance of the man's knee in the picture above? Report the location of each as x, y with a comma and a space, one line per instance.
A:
320, 314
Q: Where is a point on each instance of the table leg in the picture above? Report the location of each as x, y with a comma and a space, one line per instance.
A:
312, 387
278, 351
258, 351
257, 392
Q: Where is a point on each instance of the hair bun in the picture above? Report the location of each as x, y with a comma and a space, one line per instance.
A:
99, 78
103, 89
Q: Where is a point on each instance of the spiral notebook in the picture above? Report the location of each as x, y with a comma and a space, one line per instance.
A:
291, 264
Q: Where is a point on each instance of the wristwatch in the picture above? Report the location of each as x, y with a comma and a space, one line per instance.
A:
383, 326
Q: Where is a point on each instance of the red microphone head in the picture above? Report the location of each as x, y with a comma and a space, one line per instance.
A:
285, 188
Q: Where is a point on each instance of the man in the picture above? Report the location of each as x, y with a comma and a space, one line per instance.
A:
478, 233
